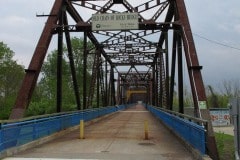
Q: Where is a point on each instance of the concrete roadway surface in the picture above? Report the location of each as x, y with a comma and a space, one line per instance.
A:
118, 137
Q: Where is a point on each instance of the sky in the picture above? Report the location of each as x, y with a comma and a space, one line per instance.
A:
215, 25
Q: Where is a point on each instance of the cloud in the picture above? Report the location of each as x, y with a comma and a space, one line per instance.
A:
218, 21
14, 21
237, 28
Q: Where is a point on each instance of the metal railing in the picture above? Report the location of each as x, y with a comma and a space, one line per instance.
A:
192, 130
18, 132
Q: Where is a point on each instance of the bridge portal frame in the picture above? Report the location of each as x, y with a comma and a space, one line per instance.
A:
163, 82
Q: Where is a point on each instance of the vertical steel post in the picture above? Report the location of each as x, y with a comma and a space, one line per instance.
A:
167, 69
180, 75
32, 73
98, 79
118, 90
194, 71
174, 48
160, 59
148, 95
106, 83
84, 70
157, 82
72, 66
112, 87
154, 85
59, 62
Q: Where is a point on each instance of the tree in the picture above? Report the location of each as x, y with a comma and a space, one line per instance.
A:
44, 98
188, 100
212, 97
216, 99
11, 75
230, 88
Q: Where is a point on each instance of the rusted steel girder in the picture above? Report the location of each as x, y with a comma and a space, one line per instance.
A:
148, 5
134, 80
112, 85
72, 65
59, 63
191, 57
129, 48
35, 65
195, 76
85, 70
146, 25
79, 20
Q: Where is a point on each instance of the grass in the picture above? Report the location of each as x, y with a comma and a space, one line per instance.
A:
225, 145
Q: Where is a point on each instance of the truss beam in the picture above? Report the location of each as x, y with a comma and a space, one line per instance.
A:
32, 73
139, 48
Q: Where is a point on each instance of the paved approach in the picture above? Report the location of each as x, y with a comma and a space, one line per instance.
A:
118, 137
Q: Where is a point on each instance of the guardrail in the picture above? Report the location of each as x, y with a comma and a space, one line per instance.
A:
192, 130
19, 132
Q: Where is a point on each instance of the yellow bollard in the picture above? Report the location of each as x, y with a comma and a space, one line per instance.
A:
81, 129
146, 129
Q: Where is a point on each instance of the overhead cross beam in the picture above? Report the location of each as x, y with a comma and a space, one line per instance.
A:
149, 45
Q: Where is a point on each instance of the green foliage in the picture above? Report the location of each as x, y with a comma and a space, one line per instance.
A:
40, 108
188, 100
44, 98
220, 143
216, 99
6, 53
11, 75
45, 93
6, 106
225, 145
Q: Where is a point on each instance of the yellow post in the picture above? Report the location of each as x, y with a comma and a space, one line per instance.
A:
81, 129
146, 129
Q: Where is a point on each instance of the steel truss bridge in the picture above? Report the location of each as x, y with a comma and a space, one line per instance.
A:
152, 57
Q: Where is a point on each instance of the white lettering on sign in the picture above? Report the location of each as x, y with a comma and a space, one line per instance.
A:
115, 21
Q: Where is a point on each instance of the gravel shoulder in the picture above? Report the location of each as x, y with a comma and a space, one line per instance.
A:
224, 129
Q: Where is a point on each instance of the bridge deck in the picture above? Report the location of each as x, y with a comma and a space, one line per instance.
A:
120, 136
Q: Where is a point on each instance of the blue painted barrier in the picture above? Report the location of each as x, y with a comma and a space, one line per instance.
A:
21, 132
191, 132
